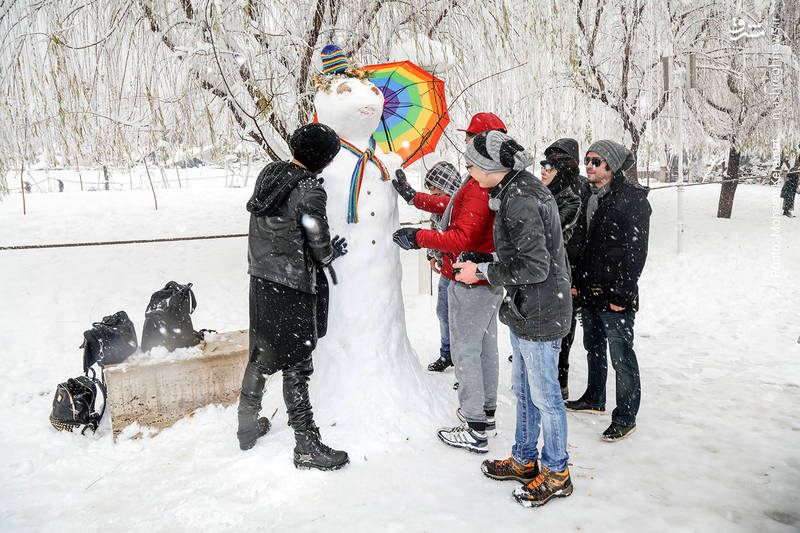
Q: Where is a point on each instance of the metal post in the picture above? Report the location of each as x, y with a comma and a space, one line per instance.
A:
680, 187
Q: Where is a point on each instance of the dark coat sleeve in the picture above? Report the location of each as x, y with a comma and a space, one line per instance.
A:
525, 226
635, 241
313, 220
790, 185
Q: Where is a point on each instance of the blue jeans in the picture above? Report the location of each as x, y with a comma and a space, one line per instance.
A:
534, 376
442, 313
616, 330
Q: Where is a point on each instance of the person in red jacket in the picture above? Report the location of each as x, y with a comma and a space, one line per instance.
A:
465, 234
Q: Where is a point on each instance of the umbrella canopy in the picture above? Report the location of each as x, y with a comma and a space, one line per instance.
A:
415, 112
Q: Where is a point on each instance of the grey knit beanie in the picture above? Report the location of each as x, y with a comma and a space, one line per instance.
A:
494, 151
617, 156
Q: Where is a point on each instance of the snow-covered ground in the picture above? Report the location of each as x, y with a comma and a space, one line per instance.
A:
717, 340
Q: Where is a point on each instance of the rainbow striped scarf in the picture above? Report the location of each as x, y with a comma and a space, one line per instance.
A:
358, 174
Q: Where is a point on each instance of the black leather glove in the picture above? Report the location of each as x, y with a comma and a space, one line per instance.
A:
475, 257
402, 186
406, 238
339, 245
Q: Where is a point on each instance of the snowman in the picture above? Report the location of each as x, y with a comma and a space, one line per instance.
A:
368, 377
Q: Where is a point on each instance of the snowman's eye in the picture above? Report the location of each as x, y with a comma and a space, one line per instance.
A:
343, 88
376, 91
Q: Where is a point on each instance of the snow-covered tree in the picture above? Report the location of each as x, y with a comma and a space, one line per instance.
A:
744, 82
619, 55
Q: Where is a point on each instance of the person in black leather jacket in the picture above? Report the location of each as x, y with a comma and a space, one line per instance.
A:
288, 245
560, 174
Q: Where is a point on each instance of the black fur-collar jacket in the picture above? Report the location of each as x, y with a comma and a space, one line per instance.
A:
289, 237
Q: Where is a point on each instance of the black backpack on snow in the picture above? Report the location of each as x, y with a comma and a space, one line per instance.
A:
168, 321
73, 404
109, 342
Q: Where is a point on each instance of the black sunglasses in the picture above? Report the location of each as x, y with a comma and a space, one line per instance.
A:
595, 161
547, 165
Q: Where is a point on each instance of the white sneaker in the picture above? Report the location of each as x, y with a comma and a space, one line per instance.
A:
491, 427
464, 437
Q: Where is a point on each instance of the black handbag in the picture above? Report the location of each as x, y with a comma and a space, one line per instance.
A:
73, 404
109, 342
168, 320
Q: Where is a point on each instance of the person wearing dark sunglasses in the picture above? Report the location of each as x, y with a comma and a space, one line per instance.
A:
571, 193
618, 225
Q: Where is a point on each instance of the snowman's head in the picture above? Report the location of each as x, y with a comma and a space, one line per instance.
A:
351, 106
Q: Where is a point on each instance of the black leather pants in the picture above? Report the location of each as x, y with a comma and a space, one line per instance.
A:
295, 390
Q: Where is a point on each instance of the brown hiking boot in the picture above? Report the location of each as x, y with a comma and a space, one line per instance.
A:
546, 486
510, 469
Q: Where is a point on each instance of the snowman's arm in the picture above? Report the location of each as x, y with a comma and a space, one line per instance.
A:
314, 222
431, 203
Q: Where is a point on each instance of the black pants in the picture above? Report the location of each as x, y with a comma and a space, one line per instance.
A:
295, 391
563, 356
788, 204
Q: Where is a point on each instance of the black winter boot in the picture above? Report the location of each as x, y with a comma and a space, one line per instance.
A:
310, 452
251, 427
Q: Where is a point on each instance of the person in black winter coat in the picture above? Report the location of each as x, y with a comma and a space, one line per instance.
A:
560, 174
618, 223
531, 264
288, 245
789, 189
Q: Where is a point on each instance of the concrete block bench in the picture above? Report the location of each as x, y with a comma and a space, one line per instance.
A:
158, 393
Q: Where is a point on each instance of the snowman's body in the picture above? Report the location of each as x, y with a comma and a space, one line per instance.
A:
366, 372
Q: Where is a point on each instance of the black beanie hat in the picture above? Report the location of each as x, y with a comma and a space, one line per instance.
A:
315, 145
565, 145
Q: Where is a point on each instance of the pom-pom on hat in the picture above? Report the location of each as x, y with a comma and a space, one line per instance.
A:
333, 60
494, 151
315, 145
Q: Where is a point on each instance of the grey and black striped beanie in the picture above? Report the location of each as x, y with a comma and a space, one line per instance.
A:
444, 177
494, 151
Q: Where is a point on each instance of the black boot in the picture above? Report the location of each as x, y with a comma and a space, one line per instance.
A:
310, 452
251, 427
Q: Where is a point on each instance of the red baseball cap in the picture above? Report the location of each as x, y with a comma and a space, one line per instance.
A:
485, 122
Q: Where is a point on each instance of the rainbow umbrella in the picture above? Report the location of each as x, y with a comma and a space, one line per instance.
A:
415, 112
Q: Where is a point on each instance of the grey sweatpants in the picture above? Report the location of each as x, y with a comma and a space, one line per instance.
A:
473, 346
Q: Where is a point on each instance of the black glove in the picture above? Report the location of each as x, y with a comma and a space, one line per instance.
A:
402, 187
475, 257
339, 245
406, 238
